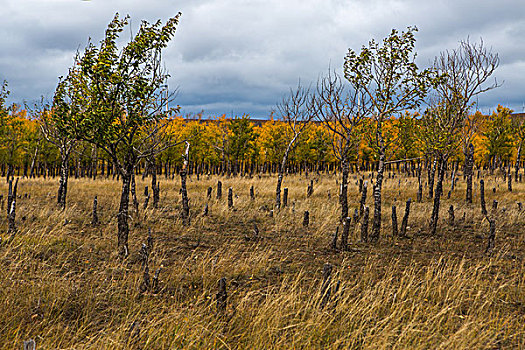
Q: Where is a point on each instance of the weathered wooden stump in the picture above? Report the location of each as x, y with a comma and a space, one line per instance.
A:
155, 281
494, 204
306, 218
219, 190
482, 197
230, 198
310, 189
222, 296
146, 284
252, 193
356, 216
149, 241
394, 221
208, 192
12, 214
364, 225
29, 344
285, 197
333, 245
144, 255
404, 223
325, 286
146, 201
94, 215
451, 215
11, 194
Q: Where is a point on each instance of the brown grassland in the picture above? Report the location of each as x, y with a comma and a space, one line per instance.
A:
63, 285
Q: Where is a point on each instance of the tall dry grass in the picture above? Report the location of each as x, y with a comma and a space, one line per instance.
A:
62, 284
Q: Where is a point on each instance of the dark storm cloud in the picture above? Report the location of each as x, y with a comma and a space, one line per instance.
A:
235, 56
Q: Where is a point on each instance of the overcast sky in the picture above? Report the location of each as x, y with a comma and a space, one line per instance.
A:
241, 56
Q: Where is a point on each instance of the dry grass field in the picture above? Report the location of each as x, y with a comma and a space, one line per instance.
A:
63, 285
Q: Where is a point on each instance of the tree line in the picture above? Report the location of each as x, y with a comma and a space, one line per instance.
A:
240, 145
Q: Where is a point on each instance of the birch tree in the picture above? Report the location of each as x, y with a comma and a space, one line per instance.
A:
392, 83
341, 111
463, 73
118, 101
297, 110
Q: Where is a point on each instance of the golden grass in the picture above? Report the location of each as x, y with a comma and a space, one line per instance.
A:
62, 284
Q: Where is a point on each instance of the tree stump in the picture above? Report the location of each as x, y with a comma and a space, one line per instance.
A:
29, 344
145, 280
285, 197
310, 189
482, 197
325, 286
334, 238
394, 221
156, 194
356, 216
94, 216
364, 225
451, 215
222, 296
404, 223
146, 201
219, 190
11, 218
306, 218
155, 281
255, 231
230, 198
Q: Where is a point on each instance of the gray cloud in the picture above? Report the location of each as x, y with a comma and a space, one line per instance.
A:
240, 56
